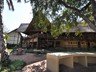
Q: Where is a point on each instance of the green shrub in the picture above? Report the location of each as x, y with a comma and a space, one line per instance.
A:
17, 65
5, 70
5, 61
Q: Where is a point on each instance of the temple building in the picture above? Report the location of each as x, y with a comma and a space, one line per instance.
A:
39, 36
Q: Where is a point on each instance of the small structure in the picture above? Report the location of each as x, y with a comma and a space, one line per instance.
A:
14, 37
17, 36
68, 59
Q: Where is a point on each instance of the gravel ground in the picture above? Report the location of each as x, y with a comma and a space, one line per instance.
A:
28, 57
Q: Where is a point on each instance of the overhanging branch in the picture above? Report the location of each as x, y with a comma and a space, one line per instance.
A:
67, 6
79, 13
86, 6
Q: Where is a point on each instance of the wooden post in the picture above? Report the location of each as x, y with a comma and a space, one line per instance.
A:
47, 40
54, 43
21, 41
88, 45
37, 41
79, 45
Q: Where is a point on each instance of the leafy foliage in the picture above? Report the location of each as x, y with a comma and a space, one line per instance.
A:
17, 65
53, 7
6, 36
41, 22
5, 70
5, 61
67, 12
13, 66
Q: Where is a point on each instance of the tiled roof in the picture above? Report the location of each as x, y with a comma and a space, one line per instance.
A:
81, 28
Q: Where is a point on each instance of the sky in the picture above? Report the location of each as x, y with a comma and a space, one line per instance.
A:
21, 14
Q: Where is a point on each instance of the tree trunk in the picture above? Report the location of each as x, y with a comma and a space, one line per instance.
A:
2, 48
4, 55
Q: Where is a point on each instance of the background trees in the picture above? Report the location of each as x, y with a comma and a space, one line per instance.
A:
67, 12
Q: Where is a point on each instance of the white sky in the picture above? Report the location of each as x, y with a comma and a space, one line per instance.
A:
21, 14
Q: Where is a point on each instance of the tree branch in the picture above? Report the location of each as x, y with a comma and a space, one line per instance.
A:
86, 6
79, 13
67, 6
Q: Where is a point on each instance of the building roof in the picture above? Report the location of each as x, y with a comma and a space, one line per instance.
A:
15, 30
23, 27
81, 28
31, 27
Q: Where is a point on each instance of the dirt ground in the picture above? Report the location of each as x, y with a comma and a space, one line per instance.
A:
28, 57
37, 63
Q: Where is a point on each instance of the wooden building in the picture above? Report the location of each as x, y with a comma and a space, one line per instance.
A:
14, 37
37, 38
22, 28
86, 40
35, 33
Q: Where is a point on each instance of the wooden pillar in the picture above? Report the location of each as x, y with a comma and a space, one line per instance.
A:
79, 45
37, 43
21, 41
88, 45
54, 43
47, 40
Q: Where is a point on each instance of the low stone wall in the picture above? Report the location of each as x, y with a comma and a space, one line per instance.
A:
68, 59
